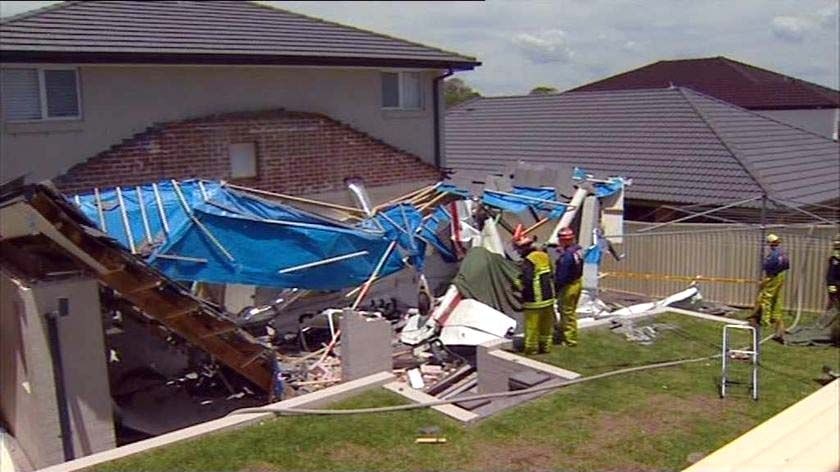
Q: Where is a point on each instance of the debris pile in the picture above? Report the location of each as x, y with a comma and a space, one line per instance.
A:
644, 335
169, 253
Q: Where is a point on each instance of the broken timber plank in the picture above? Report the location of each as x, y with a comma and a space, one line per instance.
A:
220, 332
144, 287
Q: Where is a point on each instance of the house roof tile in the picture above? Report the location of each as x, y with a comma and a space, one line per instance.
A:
735, 82
676, 144
215, 32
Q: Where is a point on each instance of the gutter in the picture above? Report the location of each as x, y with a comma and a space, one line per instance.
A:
435, 109
192, 57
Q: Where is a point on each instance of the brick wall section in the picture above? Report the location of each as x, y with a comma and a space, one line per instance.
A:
297, 153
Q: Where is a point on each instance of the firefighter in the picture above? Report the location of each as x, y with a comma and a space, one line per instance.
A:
832, 276
776, 265
567, 280
538, 296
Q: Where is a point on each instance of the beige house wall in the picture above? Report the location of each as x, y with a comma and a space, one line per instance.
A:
27, 388
119, 101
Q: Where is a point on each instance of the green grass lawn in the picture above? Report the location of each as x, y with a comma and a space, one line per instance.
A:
643, 421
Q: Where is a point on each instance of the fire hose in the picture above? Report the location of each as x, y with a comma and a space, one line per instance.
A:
280, 411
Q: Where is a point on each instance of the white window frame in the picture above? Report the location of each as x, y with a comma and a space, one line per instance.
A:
42, 93
400, 85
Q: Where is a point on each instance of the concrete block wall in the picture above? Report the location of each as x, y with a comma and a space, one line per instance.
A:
495, 364
493, 372
27, 389
296, 153
365, 346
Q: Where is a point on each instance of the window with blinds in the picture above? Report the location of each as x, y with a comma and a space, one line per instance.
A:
31, 94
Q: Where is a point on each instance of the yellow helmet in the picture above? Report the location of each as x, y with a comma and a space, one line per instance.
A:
772, 238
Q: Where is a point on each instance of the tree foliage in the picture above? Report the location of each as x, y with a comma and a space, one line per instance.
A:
456, 91
542, 90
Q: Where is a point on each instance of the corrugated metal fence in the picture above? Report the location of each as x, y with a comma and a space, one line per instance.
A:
658, 263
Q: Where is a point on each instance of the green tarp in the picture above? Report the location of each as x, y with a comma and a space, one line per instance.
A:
824, 332
489, 278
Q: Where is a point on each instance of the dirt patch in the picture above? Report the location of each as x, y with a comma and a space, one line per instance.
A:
349, 453
259, 467
662, 414
513, 456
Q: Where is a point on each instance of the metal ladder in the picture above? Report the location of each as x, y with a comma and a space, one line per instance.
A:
727, 355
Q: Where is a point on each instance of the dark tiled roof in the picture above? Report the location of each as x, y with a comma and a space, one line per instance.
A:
676, 144
218, 32
731, 81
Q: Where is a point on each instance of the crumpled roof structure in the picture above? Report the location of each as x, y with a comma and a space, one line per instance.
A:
205, 231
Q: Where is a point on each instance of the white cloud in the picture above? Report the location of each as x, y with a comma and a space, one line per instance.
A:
828, 16
545, 47
792, 28
630, 46
598, 35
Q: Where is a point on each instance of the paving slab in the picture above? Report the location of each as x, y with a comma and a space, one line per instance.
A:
418, 396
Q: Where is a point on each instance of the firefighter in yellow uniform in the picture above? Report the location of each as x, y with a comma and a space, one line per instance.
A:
567, 280
776, 265
537, 286
832, 276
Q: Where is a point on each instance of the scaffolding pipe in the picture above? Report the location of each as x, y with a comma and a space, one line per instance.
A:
718, 218
99, 210
702, 213
126, 224
352, 211
161, 210
199, 260
199, 223
374, 275
322, 262
805, 212
763, 235
203, 191
143, 215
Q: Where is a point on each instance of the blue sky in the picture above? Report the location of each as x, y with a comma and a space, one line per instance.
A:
566, 43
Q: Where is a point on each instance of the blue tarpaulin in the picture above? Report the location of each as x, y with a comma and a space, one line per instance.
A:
204, 231
542, 199
429, 233
220, 235
602, 189
593, 254
401, 223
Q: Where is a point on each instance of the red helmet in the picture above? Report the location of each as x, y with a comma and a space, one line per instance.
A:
566, 235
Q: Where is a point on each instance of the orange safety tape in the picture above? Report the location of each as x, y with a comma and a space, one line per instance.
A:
680, 278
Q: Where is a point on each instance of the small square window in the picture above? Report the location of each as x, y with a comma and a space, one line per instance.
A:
243, 160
